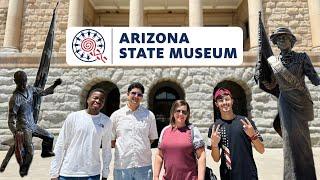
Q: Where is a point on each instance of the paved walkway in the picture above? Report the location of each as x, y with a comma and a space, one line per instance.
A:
270, 166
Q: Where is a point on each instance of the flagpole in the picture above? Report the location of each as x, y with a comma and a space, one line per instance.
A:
44, 66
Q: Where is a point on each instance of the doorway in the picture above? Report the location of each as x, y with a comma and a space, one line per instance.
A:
161, 97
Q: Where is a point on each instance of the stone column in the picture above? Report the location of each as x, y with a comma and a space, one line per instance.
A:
11, 42
136, 13
195, 13
254, 6
314, 15
75, 17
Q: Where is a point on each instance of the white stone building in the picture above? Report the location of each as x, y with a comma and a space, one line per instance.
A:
24, 25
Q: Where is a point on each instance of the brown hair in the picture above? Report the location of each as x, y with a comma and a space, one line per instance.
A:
136, 85
174, 106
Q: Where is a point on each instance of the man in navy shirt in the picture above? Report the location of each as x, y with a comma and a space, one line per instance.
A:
234, 135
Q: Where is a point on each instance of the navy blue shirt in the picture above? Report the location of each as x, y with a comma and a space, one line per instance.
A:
235, 139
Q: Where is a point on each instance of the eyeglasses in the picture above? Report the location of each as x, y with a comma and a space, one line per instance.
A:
181, 111
136, 94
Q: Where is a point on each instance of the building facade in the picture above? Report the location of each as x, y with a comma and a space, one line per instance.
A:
24, 25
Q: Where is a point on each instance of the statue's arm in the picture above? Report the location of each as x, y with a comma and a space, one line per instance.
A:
270, 85
273, 83
12, 116
309, 71
49, 90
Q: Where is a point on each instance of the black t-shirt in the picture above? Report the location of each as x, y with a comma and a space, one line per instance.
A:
238, 143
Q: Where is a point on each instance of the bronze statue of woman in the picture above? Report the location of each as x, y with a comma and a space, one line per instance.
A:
295, 104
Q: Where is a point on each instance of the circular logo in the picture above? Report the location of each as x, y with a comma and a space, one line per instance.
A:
88, 45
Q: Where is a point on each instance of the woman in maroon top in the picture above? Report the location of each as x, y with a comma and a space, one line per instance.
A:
179, 144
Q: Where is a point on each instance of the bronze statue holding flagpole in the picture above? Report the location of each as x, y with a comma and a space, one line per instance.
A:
287, 82
24, 106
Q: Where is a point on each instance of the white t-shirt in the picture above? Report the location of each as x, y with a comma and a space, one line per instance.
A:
77, 150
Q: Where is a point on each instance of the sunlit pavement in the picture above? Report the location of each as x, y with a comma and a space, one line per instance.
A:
270, 166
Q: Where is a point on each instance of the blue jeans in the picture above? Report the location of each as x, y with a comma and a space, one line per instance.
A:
96, 177
140, 173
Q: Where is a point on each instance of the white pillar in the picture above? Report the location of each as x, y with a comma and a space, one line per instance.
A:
75, 17
136, 13
314, 15
254, 6
11, 42
195, 13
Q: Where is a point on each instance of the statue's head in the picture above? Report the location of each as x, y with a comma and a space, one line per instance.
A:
20, 78
283, 33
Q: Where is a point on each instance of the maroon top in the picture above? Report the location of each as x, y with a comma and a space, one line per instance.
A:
178, 154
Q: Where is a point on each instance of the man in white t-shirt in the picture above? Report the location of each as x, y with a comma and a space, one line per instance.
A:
133, 130
78, 146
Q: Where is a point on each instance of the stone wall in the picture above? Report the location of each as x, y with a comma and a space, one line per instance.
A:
293, 14
3, 19
197, 83
35, 25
